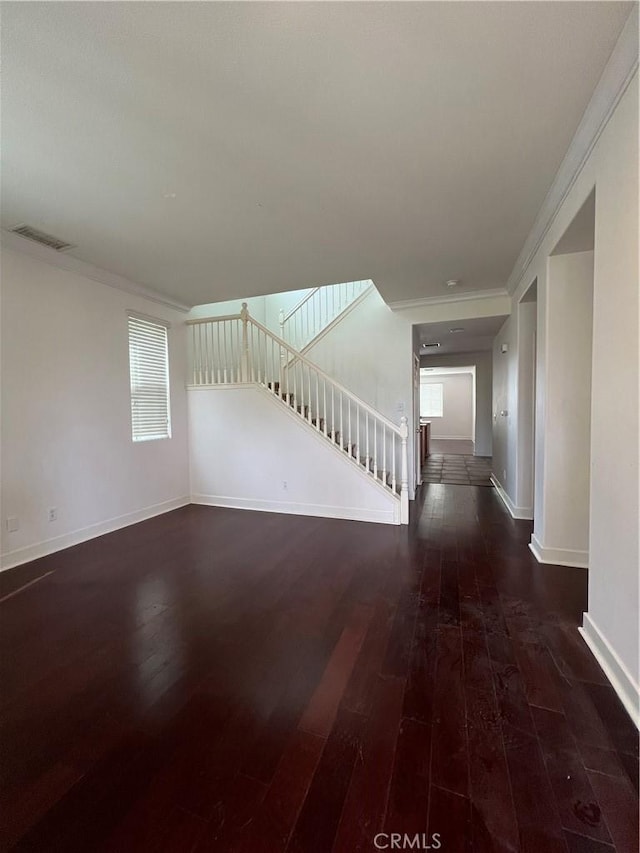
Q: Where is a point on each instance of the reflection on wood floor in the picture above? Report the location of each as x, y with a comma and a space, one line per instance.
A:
220, 680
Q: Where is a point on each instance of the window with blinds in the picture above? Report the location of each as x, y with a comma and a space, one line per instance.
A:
149, 375
431, 400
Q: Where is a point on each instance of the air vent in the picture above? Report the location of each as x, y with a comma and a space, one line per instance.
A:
40, 237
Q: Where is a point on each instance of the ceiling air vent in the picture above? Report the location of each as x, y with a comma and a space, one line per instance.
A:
40, 237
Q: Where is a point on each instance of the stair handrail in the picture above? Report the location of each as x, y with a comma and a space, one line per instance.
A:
246, 317
337, 385
319, 309
219, 319
285, 316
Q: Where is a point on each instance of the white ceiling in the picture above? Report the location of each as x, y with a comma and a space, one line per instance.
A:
211, 149
477, 335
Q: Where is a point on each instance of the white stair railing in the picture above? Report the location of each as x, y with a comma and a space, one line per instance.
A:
317, 310
236, 349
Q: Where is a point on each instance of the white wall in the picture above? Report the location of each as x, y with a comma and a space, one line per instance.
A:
505, 433
611, 624
414, 420
66, 424
245, 445
484, 368
566, 427
527, 334
614, 529
565, 499
457, 408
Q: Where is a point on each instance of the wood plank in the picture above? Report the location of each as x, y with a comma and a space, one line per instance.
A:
538, 674
318, 821
408, 801
495, 825
365, 804
272, 823
619, 804
580, 844
449, 755
321, 712
538, 819
511, 697
450, 820
449, 605
577, 804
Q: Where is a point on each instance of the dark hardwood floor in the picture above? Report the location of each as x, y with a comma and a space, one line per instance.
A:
223, 680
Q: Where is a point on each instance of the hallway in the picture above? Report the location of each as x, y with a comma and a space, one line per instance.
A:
452, 447
214, 679
453, 462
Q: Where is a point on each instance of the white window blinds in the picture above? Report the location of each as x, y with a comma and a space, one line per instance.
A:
149, 374
431, 400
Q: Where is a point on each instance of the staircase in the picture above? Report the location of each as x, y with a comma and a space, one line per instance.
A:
238, 350
318, 310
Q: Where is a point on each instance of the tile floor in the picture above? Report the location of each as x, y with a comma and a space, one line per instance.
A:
457, 469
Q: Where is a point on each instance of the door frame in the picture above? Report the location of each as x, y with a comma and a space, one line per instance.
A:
416, 425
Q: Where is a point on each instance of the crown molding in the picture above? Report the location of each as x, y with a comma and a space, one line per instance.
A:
618, 73
467, 296
20, 244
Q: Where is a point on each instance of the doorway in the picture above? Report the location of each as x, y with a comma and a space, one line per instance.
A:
448, 405
562, 489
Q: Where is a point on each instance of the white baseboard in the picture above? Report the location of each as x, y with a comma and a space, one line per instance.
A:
519, 512
559, 556
378, 516
10, 559
621, 679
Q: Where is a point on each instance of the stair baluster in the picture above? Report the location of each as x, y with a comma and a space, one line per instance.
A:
317, 310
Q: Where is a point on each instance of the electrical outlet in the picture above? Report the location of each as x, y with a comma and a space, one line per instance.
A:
284, 485
53, 513
12, 524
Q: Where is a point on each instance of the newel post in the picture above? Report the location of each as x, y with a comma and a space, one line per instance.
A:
404, 477
244, 362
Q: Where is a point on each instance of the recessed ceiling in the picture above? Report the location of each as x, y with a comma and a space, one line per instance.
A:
207, 150
477, 336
